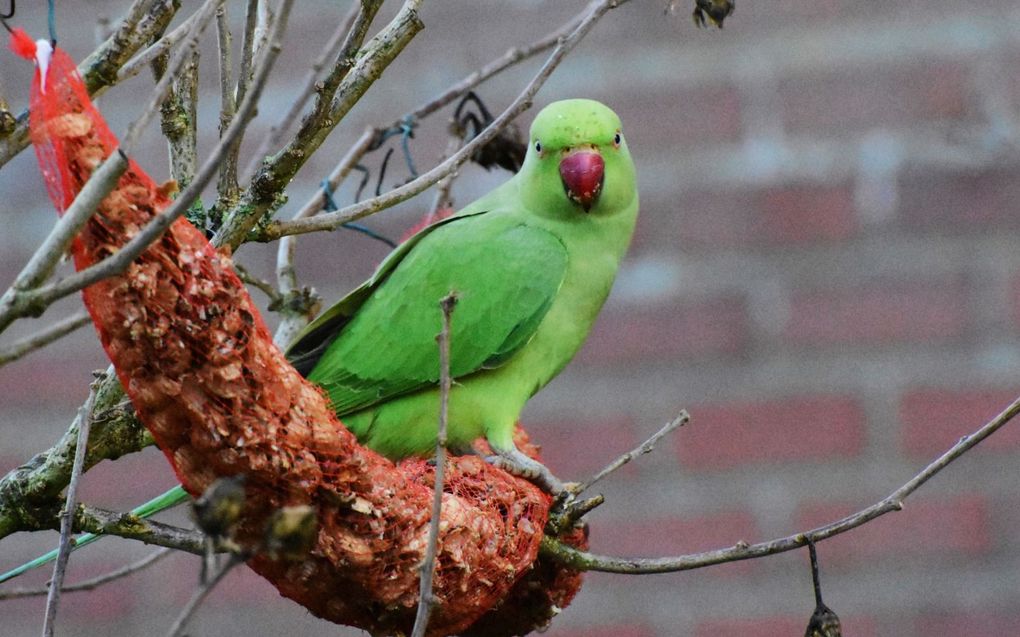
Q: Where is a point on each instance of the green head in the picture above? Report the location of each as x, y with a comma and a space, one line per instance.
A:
577, 161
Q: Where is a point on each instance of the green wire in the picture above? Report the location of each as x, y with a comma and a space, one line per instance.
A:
168, 500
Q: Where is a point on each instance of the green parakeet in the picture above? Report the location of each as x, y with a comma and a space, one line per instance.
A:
531, 264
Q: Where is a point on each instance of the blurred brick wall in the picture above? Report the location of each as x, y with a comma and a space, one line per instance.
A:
824, 274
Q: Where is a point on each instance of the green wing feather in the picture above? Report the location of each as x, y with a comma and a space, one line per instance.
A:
386, 345
311, 342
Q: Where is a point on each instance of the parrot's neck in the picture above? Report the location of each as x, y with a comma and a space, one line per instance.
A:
595, 245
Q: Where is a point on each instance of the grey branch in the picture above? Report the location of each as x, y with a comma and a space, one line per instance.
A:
428, 565
276, 133
84, 420
92, 583
507, 60
741, 551
44, 337
177, 62
200, 594
157, 49
646, 447
95, 520
277, 171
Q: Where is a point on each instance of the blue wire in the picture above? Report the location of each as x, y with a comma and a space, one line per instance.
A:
51, 21
407, 130
330, 206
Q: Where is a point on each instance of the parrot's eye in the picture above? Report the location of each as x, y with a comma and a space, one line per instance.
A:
538, 147
617, 140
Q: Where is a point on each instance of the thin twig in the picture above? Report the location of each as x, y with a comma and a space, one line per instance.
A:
67, 513
265, 286
741, 551
44, 337
507, 60
645, 447
162, 87
93, 583
39, 298
278, 130
276, 172
179, 118
251, 19
157, 49
333, 220
199, 596
428, 565
442, 198
293, 318
226, 188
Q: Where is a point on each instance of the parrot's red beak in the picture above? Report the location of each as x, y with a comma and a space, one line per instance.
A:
582, 173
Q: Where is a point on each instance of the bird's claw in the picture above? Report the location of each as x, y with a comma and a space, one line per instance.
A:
516, 463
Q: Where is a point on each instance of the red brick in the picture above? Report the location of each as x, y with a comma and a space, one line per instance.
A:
787, 215
925, 527
689, 329
934, 419
575, 451
990, 624
698, 116
778, 626
878, 314
960, 201
701, 219
866, 98
800, 214
650, 537
796, 428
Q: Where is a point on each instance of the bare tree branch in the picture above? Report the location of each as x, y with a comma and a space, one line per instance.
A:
428, 565
44, 337
159, 48
299, 303
742, 551
226, 187
92, 583
100, 521
200, 594
37, 483
84, 420
342, 35
646, 447
507, 60
174, 67
277, 171
179, 118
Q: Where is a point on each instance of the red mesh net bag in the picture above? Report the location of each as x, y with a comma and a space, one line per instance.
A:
220, 400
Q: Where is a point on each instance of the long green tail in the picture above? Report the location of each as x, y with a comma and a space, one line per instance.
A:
168, 500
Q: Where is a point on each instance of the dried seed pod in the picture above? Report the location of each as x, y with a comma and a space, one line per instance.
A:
218, 510
712, 12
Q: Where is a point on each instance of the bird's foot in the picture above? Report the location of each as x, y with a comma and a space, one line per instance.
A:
515, 462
